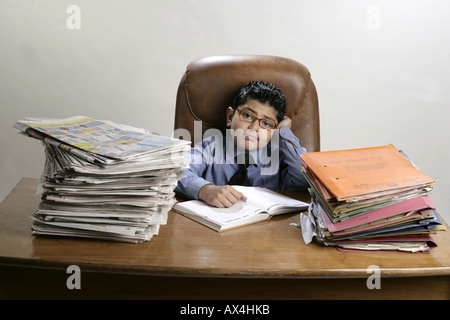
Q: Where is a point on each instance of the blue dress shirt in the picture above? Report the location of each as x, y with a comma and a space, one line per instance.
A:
214, 160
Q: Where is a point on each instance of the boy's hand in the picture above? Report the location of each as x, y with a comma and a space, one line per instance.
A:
220, 196
285, 122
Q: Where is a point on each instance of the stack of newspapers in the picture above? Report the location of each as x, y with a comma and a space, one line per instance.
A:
369, 199
104, 180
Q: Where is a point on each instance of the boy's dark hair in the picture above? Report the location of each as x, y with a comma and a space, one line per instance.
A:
264, 92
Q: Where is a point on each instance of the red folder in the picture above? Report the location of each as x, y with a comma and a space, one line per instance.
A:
421, 203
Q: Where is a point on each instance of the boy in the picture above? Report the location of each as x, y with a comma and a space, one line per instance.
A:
258, 131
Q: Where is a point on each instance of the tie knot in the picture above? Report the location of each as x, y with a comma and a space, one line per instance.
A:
241, 177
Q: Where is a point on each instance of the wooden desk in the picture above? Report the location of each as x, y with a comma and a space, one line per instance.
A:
268, 260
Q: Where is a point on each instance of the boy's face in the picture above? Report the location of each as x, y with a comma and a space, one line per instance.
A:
251, 135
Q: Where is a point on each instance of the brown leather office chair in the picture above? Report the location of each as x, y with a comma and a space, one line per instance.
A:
209, 85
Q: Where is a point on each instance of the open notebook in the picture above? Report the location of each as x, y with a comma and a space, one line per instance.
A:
261, 204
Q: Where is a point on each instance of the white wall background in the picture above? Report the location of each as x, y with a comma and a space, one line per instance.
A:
381, 68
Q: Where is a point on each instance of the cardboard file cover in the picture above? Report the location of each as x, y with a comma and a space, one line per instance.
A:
358, 173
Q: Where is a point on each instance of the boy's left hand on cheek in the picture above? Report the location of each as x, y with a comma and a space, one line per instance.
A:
285, 122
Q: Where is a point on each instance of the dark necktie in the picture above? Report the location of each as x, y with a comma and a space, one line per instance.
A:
240, 177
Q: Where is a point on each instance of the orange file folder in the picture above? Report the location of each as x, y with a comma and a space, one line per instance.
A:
355, 174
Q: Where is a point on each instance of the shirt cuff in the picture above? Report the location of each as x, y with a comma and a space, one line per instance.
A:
288, 135
284, 130
193, 187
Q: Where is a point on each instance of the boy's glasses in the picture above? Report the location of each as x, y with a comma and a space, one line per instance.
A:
248, 116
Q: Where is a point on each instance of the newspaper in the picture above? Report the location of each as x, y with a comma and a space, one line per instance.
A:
104, 180
97, 138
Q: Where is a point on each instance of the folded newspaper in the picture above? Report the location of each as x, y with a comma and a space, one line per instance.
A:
104, 180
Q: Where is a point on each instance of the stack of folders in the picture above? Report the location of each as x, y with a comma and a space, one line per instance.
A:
371, 199
104, 180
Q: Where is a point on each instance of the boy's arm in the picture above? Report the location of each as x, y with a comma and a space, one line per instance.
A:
194, 186
193, 182
290, 150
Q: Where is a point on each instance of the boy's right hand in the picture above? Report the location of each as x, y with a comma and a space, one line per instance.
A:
220, 196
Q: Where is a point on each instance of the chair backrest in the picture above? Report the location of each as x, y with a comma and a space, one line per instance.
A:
209, 85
